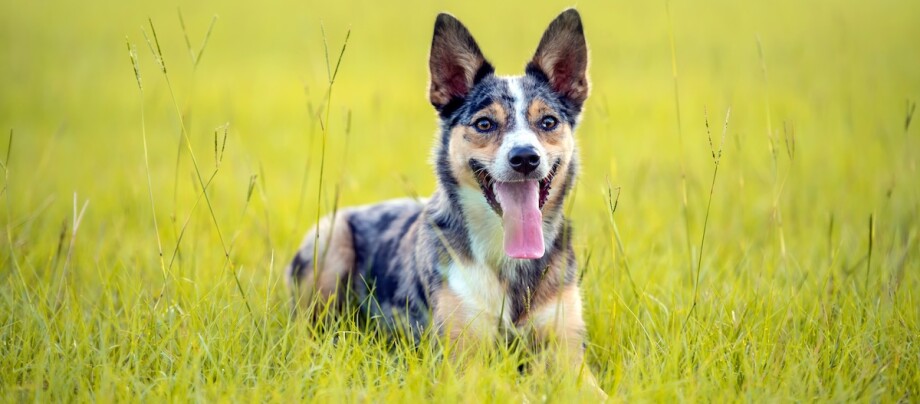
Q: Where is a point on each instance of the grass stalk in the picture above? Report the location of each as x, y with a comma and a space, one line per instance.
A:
158, 53
789, 136
132, 52
188, 219
910, 157
195, 57
219, 149
680, 140
871, 236
716, 159
324, 127
14, 261
612, 202
77, 219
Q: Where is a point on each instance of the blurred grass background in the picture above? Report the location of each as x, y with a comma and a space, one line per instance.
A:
790, 304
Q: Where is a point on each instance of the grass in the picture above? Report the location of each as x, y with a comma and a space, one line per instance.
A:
778, 265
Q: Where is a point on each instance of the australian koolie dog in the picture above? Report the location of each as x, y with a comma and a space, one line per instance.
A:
489, 254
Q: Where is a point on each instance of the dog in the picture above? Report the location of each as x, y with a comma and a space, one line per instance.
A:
490, 253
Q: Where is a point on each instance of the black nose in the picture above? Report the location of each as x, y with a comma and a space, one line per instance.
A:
524, 159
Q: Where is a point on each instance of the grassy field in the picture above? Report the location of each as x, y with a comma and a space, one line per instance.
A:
790, 274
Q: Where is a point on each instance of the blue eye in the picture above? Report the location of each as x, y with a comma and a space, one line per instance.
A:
484, 125
548, 123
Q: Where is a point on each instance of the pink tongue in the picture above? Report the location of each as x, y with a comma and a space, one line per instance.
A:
522, 219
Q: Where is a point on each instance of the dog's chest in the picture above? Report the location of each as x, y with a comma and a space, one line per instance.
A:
483, 304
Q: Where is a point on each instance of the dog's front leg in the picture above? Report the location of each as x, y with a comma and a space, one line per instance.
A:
557, 324
460, 327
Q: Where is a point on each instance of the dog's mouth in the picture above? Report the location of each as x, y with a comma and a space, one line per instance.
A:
487, 185
520, 205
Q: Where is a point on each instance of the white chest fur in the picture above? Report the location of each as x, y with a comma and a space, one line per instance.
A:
484, 227
483, 304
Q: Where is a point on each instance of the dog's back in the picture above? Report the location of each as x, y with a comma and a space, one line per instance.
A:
369, 252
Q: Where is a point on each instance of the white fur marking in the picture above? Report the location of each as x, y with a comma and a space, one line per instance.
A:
484, 227
517, 91
482, 297
522, 135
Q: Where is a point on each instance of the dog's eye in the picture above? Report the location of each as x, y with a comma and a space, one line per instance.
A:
548, 123
484, 125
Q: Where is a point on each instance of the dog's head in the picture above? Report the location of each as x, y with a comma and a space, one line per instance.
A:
510, 138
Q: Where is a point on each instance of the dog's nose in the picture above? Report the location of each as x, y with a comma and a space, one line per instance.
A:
524, 159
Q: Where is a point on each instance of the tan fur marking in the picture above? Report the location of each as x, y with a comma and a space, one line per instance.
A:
336, 258
537, 110
558, 317
453, 321
467, 143
563, 149
558, 324
535, 113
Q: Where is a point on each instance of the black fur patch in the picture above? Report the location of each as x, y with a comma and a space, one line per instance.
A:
526, 280
488, 90
387, 278
536, 85
486, 70
298, 265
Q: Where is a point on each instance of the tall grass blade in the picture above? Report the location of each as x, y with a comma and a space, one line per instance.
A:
132, 52
324, 126
716, 159
612, 202
228, 263
685, 211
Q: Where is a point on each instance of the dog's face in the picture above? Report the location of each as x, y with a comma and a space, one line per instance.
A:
510, 138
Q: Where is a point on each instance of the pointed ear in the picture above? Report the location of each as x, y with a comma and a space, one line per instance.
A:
456, 63
562, 57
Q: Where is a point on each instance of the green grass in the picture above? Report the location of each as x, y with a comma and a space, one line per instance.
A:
804, 287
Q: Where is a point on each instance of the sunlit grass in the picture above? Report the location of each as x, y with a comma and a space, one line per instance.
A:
146, 216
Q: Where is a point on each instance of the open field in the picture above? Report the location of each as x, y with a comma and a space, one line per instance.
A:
121, 281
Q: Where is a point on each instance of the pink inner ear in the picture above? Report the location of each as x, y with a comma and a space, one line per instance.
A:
453, 64
456, 82
563, 56
566, 75
448, 80
561, 76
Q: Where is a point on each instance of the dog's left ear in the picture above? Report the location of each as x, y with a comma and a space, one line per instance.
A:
562, 57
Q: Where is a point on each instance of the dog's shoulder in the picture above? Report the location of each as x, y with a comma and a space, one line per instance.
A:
382, 225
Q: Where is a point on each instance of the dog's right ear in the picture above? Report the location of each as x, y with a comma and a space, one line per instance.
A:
456, 63
562, 57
